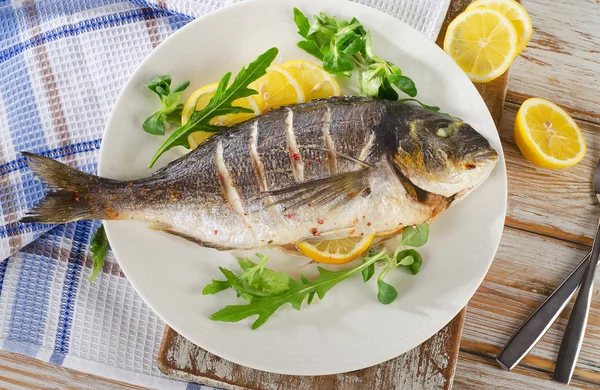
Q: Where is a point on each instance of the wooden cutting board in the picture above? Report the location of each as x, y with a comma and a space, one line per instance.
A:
428, 366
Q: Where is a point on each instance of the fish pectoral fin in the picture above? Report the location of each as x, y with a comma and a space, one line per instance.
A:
167, 228
335, 190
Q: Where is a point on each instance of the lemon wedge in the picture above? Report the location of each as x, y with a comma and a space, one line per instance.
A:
548, 136
200, 99
339, 251
515, 12
276, 88
483, 42
315, 82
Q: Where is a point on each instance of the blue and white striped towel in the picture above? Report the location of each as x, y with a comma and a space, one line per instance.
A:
62, 65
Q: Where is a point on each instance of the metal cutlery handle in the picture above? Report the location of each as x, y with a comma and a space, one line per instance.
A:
532, 330
573, 337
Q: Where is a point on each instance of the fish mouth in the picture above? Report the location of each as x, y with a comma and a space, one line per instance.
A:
486, 155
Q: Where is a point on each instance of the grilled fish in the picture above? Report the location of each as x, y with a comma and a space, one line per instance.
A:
329, 168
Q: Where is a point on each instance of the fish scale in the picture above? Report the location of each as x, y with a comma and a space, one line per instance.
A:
290, 175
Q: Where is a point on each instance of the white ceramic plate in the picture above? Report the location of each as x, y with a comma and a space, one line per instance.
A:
349, 329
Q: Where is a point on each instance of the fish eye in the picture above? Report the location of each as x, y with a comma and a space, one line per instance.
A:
448, 128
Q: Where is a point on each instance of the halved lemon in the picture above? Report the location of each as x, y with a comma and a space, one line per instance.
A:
200, 99
515, 12
315, 81
483, 42
548, 136
339, 251
277, 88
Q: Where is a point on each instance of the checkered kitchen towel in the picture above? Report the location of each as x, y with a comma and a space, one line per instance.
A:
62, 64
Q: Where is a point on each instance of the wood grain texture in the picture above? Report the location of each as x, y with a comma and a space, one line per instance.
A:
526, 270
477, 372
558, 203
562, 60
428, 366
19, 372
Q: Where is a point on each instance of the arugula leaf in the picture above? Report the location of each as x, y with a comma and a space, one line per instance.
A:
386, 293
256, 280
215, 286
302, 22
99, 248
220, 103
251, 268
265, 306
309, 46
171, 109
237, 285
415, 236
261, 279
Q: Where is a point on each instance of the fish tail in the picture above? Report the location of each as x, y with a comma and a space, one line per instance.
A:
70, 198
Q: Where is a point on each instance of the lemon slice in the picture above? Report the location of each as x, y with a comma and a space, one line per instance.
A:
483, 42
548, 136
200, 99
315, 81
515, 12
277, 88
340, 251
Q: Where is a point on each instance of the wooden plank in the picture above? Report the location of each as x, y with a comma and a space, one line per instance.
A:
429, 366
477, 372
557, 203
23, 372
562, 60
526, 270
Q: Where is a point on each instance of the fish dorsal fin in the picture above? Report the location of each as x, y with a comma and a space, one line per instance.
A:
335, 190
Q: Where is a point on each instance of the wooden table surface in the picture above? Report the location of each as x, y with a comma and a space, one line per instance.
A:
549, 226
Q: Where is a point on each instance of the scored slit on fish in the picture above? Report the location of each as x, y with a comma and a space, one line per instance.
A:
295, 156
230, 193
259, 173
328, 141
257, 165
364, 153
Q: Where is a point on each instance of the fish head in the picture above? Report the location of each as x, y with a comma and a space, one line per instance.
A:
443, 155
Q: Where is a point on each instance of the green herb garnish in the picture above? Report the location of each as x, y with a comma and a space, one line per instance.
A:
267, 290
346, 45
99, 248
171, 108
220, 103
